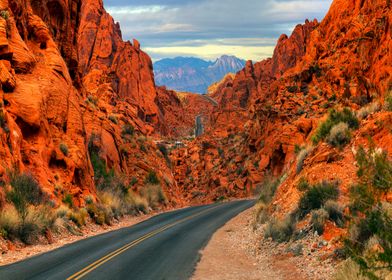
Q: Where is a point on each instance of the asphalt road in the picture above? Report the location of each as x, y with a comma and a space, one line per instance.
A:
164, 247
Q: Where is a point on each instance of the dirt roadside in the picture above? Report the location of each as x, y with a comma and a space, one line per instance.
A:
238, 252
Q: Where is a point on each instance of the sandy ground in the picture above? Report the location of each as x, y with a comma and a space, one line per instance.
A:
237, 251
15, 252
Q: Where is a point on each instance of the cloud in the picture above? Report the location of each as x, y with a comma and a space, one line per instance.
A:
203, 27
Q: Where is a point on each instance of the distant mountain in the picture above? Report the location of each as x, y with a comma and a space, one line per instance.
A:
194, 74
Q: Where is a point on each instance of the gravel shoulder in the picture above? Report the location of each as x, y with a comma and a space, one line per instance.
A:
239, 251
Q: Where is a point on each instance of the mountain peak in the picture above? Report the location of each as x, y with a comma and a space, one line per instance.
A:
193, 74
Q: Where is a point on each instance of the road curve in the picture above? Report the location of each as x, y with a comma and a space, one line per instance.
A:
164, 247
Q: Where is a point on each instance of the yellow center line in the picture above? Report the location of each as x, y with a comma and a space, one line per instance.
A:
78, 275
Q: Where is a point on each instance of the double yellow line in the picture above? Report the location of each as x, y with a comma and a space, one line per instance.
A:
108, 257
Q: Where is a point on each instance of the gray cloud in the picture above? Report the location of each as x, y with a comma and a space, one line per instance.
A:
158, 23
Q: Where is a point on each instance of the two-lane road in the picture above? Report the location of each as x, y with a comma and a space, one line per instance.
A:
164, 247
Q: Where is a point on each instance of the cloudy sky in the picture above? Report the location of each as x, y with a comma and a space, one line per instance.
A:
209, 28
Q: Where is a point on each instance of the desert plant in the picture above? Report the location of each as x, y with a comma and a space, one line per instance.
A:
388, 102
371, 219
64, 149
302, 155
152, 178
335, 117
268, 188
154, 195
25, 192
349, 270
364, 112
261, 214
318, 219
280, 231
303, 185
68, 200
4, 14
335, 212
339, 135
128, 129
317, 196
9, 222
113, 119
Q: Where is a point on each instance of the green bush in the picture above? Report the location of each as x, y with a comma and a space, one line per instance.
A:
388, 102
318, 219
68, 200
64, 149
280, 231
152, 178
371, 217
4, 14
128, 129
335, 117
268, 189
335, 212
25, 192
303, 185
154, 195
317, 196
113, 119
339, 136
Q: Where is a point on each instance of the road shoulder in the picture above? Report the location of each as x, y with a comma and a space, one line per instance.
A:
233, 253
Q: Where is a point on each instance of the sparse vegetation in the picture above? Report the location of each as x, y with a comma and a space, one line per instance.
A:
25, 192
302, 155
370, 240
364, 112
335, 212
339, 135
4, 14
388, 102
280, 231
128, 129
335, 117
152, 178
154, 195
316, 197
113, 119
64, 149
318, 219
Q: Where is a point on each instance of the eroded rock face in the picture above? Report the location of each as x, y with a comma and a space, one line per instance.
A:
67, 80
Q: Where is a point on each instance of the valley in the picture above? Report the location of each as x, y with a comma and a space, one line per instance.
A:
88, 137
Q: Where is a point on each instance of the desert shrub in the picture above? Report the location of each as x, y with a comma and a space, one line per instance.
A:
4, 14
113, 201
297, 149
135, 203
371, 219
280, 231
318, 219
268, 188
152, 178
79, 217
154, 195
388, 102
261, 214
133, 181
128, 129
93, 100
364, 112
335, 212
302, 155
317, 196
113, 119
9, 222
339, 135
303, 185
335, 117
25, 192
374, 169
64, 149
349, 270
68, 200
